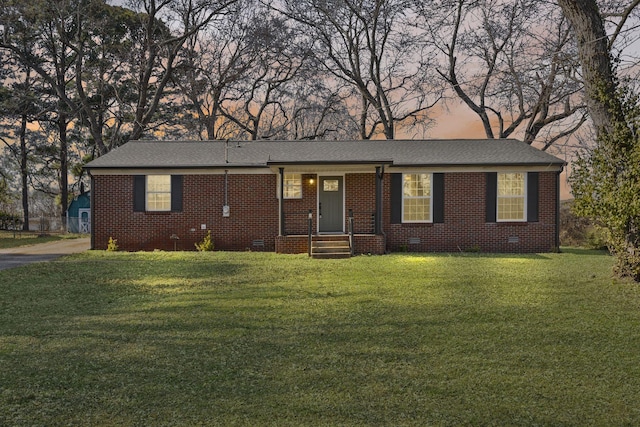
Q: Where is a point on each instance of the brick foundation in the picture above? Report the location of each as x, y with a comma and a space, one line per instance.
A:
363, 244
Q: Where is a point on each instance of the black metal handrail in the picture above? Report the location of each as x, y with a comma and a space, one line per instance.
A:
297, 223
363, 222
309, 231
351, 231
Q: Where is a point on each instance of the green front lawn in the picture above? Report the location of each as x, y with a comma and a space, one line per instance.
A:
262, 339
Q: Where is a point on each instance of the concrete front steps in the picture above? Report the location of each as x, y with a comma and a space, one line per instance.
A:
330, 247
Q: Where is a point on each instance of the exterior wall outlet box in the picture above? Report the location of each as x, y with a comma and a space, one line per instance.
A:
203, 226
225, 211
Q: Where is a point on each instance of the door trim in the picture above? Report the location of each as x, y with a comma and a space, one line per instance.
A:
344, 195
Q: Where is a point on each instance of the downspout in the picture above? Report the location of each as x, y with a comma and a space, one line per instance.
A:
92, 207
557, 237
281, 203
226, 187
379, 177
225, 207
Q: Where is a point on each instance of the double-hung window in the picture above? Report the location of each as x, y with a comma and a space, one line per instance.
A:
416, 197
511, 197
292, 186
158, 194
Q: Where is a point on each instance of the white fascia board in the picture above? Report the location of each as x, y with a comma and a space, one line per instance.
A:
445, 169
178, 171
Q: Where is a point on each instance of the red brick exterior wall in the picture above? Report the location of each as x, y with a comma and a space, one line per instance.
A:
297, 210
254, 215
360, 197
465, 228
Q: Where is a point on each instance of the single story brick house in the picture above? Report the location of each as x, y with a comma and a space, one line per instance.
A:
490, 195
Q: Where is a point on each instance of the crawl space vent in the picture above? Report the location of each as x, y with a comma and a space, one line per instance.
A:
514, 239
258, 243
414, 240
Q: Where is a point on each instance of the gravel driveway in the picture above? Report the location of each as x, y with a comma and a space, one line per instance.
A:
15, 257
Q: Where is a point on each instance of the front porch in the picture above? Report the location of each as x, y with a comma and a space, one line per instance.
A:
324, 205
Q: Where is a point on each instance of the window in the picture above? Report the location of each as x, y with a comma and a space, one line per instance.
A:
511, 197
330, 185
416, 197
158, 192
292, 186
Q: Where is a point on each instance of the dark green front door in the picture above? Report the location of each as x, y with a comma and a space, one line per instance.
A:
331, 204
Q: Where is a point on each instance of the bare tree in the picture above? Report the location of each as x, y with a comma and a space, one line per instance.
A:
213, 61
314, 109
606, 180
254, 102
249, 75
155, 39
511, 63
594, 47
37, 35
18, 101
121, 62
367, 45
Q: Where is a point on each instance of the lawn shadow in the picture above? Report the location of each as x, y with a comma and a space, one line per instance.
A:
583, 251
477, 255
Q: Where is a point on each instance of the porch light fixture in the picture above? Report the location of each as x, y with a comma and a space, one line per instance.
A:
312, 181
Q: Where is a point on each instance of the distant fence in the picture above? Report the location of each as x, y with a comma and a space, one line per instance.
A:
48, 224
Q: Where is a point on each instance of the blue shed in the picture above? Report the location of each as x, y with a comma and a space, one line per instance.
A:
79, 214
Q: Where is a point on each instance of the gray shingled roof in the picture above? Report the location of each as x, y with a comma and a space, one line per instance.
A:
207, 154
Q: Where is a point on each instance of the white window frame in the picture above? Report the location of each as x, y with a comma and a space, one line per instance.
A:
522, 196
288, 185
430, 197
149, 192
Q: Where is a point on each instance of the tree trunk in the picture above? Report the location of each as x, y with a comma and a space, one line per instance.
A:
603, 104
24, 172
64, 168
363, 117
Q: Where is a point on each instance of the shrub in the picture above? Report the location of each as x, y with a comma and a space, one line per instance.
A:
606, 182
9, 221
206, 245
112, 246
580, 231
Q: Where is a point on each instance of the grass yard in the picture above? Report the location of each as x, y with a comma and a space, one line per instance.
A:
262, 339
9, 239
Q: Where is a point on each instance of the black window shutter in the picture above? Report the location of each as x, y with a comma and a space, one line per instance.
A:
532, 196
438, 197
396, 198
139, 193
176, 193
492, 196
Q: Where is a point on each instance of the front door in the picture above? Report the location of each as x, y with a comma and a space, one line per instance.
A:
330, 204
84, 220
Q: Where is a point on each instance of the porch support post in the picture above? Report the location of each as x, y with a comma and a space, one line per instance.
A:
281, 229
378, 222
